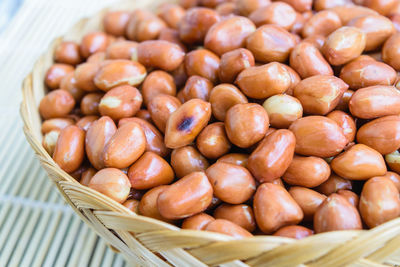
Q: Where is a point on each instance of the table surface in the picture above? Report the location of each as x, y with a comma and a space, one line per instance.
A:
37, 228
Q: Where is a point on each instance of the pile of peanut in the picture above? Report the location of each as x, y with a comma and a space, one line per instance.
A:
241, 117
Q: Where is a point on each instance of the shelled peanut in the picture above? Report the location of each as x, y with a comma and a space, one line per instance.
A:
241, 117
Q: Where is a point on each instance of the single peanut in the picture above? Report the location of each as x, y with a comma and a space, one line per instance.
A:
275, 208
272, 156
360, 162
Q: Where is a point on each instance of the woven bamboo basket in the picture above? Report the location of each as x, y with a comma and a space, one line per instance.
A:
148, 242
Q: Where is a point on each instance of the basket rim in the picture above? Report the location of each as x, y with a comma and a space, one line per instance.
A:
109, 207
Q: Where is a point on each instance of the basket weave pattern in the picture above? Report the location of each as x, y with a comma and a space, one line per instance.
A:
148, 242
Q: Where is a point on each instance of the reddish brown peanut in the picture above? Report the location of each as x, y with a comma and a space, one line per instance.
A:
187, 159
56, 104
308, 200
144, 25
150, 170
271, 43
67, 52
375, 101
395, 18
294, 231
56, 73
346, 122
382, 7
112, 183
84, 76
161, 107
122, 50
278, 13
160, 54
344, 45
300, 5
85, 122
350, 197
189, 195
49, 141
223, 97
272, 156
212, 142
70, 148
158, 82
228, 34
316, 40
336, 213
381, 134
195, 24
87, 176
197, 87
361, 73
264, 81
172, 14
68, 83
379, 201
171, 35
359, 162
275, 208
97, 58
90, 104
233, 62
119, 72
246, 124
55, 124
144, 114
78, 172
322, 23
391, 51
197, 222
210, 3
344, 102
132, 205
298, 23
154, 139
235, 158
202, 62
246, 7
377, 29
228, 228
318, 136
232, 184
349, 11
393, 161
94, 42
308, 61
241, 215
115, 22
120, 102
283, 110
148, 204
325, 99
214, 203
334, 184
307, 171
395, 178
294, 80
325, 4
186, 123
97, 136
125, 146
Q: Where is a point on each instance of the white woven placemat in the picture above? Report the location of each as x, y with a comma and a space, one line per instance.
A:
36, 227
